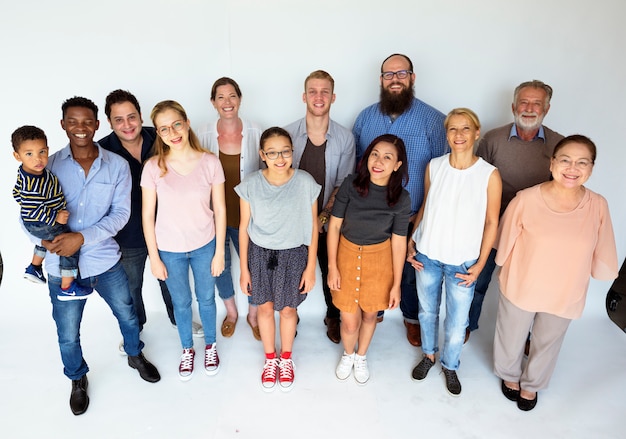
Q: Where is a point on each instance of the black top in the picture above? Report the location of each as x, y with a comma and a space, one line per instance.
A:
131, 236
313, 161
370, 220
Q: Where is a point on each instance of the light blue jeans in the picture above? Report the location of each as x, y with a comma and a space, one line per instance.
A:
177, 281
458, 302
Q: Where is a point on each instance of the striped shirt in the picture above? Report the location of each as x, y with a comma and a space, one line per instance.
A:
40, 196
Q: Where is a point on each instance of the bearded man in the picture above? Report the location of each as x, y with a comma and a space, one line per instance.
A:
521, 151
421, 128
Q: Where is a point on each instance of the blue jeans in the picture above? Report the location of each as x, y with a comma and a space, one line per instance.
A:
177, 281
68, 264
482, 284
224, 282
134, 263
112, 285
458, 301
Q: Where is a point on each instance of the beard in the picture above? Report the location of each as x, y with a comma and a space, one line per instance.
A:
526, 126
396, 103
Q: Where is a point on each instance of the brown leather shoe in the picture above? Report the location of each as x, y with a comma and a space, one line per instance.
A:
228, 328
255, 329
413, 333
333, 332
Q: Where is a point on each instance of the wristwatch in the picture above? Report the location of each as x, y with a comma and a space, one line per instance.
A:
323, 218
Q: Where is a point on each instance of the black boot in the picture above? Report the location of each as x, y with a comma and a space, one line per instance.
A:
79, 401
146, 370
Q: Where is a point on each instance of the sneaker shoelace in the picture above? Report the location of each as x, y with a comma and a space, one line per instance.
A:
210, 356
285, 368
360, 364
186, 361
269, 370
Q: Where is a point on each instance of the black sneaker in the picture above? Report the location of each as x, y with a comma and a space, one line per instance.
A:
452, 382
421, 370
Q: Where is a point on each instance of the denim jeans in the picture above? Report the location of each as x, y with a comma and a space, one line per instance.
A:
224, 282
482, 285
112, 285
134, 263
409, 304
68, 264
177, 281
458, 301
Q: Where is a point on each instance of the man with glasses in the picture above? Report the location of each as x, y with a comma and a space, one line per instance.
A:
133, 142
421, 127
325, 150
521, 151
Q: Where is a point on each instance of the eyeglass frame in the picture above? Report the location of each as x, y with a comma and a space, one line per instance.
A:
278, 153
565, 162
171, 128
405, 74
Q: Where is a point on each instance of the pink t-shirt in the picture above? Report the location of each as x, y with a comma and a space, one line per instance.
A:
184, 220
547, 257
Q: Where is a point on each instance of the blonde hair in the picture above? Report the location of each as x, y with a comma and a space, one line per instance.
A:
461, 111
160, 149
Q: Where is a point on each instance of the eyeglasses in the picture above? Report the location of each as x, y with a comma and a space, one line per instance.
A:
400, 74
273, 155
177, 126
565, 162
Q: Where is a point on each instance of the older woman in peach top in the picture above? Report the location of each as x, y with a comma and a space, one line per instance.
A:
553, 237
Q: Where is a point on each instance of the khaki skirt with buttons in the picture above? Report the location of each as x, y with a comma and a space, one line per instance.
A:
366, 276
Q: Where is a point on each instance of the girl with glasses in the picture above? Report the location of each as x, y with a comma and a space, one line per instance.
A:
278, 249
189, 228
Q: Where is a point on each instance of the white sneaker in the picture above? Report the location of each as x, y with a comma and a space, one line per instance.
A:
361, 371
344, 368
196, 329
121, 348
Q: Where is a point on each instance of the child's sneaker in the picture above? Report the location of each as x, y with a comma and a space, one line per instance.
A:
344, 368
285, 373
211, 360
361, 371
185, 369
268, 376
75, 292
34, 274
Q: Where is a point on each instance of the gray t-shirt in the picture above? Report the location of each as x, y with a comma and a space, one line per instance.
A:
280, 216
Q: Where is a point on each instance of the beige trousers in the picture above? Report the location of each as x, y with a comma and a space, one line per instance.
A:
512, 327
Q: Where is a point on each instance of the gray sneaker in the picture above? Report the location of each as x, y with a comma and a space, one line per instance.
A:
421, 370
452, 382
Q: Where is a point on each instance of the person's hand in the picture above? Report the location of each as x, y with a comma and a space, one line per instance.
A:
158, 269
217, 265
333, 279
63, 216
394, 297
245, 282
411, 252
468, 279
307, 281
65, 244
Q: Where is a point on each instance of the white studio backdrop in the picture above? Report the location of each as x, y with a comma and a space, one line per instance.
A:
465, 53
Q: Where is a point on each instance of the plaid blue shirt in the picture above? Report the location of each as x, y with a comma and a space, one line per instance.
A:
421, 129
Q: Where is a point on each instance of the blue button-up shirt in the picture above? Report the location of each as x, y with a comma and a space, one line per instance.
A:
99, 206
421, 129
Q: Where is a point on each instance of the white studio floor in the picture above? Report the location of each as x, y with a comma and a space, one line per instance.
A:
585, 399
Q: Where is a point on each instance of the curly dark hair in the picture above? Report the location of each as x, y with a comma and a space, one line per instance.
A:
79, 101
24, 133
